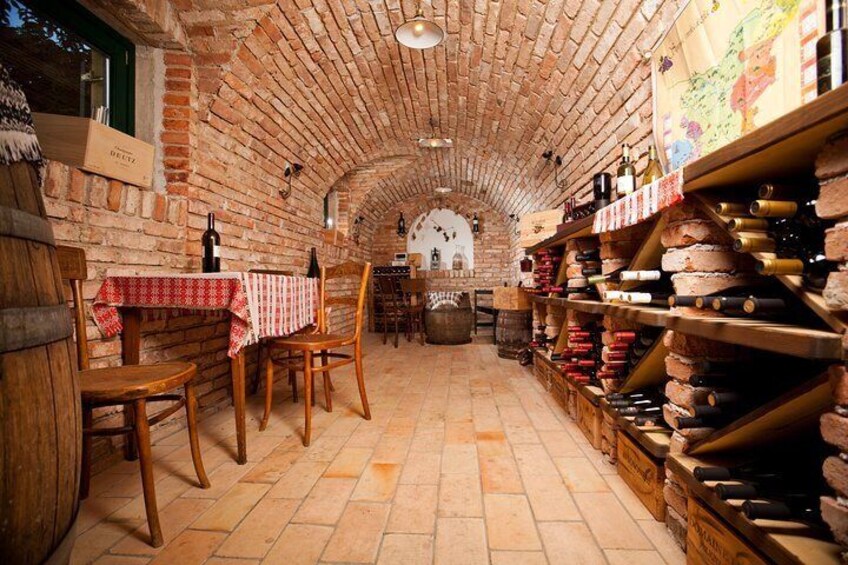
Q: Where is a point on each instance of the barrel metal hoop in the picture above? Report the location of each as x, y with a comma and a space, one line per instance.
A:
30, 327
23, 225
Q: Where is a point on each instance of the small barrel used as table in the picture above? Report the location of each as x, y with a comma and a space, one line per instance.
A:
449, 321
513, 332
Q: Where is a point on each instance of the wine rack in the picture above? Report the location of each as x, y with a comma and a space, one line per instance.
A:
782, 151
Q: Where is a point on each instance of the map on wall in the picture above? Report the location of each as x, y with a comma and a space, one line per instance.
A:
446, 231
727, 67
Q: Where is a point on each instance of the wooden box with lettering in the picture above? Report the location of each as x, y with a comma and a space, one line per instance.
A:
589, 420
709, 540
510, 298
538, 226
644, 474
572, 399
94, 147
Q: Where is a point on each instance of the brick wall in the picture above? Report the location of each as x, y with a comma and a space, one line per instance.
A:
492, 266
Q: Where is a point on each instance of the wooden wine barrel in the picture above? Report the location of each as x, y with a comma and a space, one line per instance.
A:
513, 332
448, 325
40, 416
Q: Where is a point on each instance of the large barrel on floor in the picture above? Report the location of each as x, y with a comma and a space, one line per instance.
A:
40, 417
448, 325
513, 332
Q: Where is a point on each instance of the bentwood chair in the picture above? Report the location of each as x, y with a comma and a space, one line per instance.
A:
414, 292
308, 346
392, 306
133, 386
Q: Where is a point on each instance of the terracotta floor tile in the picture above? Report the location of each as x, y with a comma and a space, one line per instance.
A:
533, 460
299, 544
509, 523
628, 498
460, 458
349, 463
256, 534
664, 544
460, 496
222, 480
272, 468
95, 509
633, 557
230, 561
610, 523
550, 499
325, 502
571, 543
378, 482
97, 540
461, 541
229, 510
519, 558
406, 549
560, 444
299, 480
579, 475
500, 475
174, 518
358, 534
190, 547
421, 468
414, 509
121, 560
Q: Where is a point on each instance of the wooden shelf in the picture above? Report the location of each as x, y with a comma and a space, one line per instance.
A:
650, 370
780, 541
790, 413
646, 315
785, 147
655, 439
578, 228
765, 335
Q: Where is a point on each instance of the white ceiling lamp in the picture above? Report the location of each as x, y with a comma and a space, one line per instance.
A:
443, 190
435, 142
419, 33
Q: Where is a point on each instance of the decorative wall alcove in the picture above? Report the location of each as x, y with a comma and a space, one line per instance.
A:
445, 230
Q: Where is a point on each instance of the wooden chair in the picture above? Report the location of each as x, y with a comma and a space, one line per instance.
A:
414, 293
321, 343
391, 300
133, 386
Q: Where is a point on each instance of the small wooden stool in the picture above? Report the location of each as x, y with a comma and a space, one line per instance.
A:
134, 386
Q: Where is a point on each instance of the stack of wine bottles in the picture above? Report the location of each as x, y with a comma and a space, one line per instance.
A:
582, 261
757, 301
776, 223
768, 490
622, 351
554, 319
582, 356
645, 406
652, 287
545, 270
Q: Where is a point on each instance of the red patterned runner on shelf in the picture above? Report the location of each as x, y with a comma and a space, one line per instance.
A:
261, 305
641, 204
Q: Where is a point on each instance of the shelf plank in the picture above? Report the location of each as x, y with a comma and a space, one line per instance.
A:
780, 541
647, 315
760, 334
838, 321
794, 411
650, 370
578, 228
655, 439
649, 255
784, 147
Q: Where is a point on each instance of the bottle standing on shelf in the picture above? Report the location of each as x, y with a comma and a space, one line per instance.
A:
211, 242
832, 48
602, 189
626, 173
401, 225
314, 270
653, 170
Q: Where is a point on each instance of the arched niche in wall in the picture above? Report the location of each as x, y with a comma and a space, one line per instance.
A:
445, 230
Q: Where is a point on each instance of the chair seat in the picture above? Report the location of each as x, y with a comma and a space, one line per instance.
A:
312, 342
131, 382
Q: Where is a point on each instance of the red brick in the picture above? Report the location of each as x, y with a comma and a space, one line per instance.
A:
836, 291
834, 430
116, 190
833, 199
836, 243
836, 516
832, 161
690, 232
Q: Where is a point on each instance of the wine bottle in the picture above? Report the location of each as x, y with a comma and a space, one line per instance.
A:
773, 208
740, 473
626, 173
641, 275
723, 398
755, 305
687, 422
728, 303
589, 255
769, 191
646, 411
314, 271
653, 170
211, 243
475, 224
590, 271
704, 411
802, 507
708, 380
754, 245
652, 298
832, 48
681, 300
731, 209
748, 224
401, 225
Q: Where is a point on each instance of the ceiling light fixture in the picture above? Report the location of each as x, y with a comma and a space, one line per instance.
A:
435, 142
443, 189
419, 33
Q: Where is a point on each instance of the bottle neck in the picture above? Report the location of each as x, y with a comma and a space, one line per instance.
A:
210, 221
835, 14
625, 154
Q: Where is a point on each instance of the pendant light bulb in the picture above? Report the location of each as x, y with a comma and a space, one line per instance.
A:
419, 32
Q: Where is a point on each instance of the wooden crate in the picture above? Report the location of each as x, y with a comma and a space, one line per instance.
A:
643, 473
94, 147
573, 396
709, 540
510, 298
589, 420
609, 435
538, 226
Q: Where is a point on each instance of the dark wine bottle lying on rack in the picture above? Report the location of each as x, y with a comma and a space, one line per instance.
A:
589, 255
802, 507
754, 305
739, 473
641, 411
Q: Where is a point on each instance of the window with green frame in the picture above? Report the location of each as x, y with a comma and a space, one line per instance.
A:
67, 60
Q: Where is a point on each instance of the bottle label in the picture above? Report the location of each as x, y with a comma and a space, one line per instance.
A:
626, 184
216, 251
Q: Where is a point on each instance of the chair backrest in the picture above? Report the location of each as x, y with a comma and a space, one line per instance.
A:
389, 290
72, 267
414, 290
350, 270
271, 272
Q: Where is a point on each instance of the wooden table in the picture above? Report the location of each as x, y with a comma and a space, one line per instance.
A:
260, 306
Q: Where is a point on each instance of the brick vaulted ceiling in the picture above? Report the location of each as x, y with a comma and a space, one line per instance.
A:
328, 81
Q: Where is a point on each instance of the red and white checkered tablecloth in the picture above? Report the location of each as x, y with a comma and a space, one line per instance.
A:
638, 206
261, 305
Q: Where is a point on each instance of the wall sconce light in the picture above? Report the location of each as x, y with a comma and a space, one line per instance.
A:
290, 172
475, 225
526, 264
514, 218
401, 226
357, 226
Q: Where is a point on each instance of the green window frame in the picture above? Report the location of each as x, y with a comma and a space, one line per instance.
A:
121, 52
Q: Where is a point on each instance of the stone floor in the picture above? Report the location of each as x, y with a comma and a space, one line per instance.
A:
467, 460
